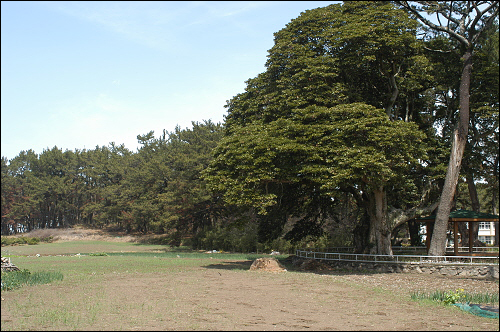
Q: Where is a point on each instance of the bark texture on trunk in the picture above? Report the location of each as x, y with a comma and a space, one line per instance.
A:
380, 232
438, 241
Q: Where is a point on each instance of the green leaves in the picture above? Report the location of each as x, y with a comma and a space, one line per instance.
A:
156, 189
350, 144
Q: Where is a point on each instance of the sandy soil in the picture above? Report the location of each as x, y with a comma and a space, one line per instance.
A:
225, 300
227, 295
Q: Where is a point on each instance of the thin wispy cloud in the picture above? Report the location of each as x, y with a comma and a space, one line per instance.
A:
139, 21
155, 24
78, 74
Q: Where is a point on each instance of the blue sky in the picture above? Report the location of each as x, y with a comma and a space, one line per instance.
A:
80, 74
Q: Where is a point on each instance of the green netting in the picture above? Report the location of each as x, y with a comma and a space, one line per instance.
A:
479, 310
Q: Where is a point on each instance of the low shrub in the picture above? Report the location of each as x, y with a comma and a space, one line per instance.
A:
322, 241
30, 240
281, 245
8, 241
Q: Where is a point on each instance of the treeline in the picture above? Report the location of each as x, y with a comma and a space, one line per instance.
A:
156, 189
342, 140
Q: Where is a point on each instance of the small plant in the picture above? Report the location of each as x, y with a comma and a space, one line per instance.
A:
98, 254
454, 297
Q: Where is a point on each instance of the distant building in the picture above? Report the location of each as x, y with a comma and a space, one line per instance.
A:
487, 232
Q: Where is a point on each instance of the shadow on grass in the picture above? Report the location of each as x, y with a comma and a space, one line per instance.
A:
165, 248
243, 265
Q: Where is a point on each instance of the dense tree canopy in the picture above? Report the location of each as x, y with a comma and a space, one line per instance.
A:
306, 120
342, 139
156, 189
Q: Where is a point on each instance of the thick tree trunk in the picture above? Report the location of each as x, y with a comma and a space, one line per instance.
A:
476, 206
361, 236
380, 232
438, 241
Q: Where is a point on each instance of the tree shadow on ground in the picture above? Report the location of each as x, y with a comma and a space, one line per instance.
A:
241, 265
245, 265
323, 269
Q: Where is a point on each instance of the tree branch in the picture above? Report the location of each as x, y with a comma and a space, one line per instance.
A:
425, 21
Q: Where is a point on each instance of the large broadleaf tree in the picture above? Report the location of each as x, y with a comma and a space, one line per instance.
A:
322, 119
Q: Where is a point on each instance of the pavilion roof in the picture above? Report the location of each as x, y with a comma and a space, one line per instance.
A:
464, 215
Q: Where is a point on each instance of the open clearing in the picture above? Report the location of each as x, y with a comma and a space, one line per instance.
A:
153, 289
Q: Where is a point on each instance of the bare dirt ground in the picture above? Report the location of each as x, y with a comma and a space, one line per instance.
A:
263, 301
226, 295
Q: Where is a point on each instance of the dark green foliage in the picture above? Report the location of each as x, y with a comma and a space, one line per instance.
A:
321, 148
158, 189
232, 238
7, 241
353, 107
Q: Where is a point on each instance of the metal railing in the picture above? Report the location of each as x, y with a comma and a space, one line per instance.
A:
408, 259
474, 249
409, 248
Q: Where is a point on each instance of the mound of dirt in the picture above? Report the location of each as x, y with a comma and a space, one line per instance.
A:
267, 264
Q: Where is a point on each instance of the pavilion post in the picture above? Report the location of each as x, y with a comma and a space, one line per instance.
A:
471, 237
429, 235
455, 237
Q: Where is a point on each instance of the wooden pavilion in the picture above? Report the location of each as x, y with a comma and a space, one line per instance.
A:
456, 217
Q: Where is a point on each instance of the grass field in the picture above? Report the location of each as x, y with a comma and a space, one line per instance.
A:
151, 287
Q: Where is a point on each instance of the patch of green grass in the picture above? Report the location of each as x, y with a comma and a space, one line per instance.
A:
80, 246
449, 297
16, 279
71, 315
194, 254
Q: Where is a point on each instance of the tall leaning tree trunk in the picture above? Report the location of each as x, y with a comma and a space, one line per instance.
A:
380, 232
438, 241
